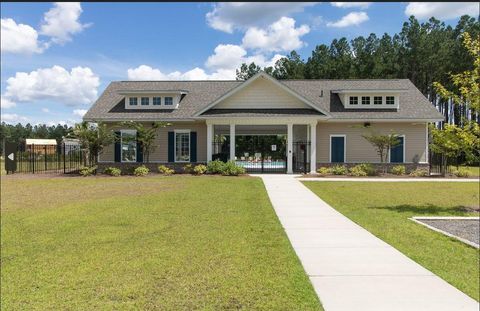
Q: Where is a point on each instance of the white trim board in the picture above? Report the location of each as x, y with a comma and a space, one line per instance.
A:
418, 221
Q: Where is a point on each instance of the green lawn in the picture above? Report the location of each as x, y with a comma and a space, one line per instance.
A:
169, 243
384, 209
474, 170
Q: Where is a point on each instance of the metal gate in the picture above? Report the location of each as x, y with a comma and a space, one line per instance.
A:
301, 157
36, 159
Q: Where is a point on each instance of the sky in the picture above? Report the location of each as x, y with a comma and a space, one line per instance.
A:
57, 58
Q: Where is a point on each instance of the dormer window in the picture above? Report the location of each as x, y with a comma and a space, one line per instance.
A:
365, 100
133, 101
377, 100
168, 101
390, 100
353, 100
145, 101
157, 101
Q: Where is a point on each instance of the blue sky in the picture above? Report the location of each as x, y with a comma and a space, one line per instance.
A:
58, 58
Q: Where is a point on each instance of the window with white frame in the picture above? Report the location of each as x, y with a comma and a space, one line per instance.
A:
168, 101
182, 146
353, 100
145, 101
365, 100
132, 101
157, 101
128, 145
390, 100
377, 100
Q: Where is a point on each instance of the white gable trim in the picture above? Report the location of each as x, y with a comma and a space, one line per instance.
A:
261, 74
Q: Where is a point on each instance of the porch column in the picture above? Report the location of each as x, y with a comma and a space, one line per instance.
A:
232, 142
289, 148
209, 141
313, 147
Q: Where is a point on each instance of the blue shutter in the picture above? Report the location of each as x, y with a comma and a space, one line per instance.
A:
193, 146
396, 153
118, 147
171, 146
139, 152
338, 149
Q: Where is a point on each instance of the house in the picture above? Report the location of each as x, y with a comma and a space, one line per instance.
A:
265, 124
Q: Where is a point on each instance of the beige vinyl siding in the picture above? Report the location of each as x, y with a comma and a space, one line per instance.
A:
261, 94
359, 150
160, 154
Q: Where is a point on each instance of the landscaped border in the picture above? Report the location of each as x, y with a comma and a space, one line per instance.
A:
418, 221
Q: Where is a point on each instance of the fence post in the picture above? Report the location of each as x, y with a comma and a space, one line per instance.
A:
45, 155
64, 170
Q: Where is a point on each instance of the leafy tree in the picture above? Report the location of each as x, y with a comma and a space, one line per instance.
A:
93, 138
146, 135
290, 67
382, 144
247, 71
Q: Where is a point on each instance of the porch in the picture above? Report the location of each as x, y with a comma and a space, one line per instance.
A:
264, 146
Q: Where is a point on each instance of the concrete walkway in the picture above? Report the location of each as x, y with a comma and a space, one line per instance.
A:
350, 268
379, 179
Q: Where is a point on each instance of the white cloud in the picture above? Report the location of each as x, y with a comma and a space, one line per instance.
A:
226, 56
240, 15
346, 5
79, 112
145, 72
6, 103
279, 36
61, 22
351, 19
18, 38
13, 118
79, 86
442, 10
45, 110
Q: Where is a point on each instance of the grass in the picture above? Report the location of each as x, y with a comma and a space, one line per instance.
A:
384, 209
474, 170
169, 243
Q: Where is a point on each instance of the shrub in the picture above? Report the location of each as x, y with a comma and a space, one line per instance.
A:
141, 171
162, 169
87, 170
357, 170
199, 169
231, 169
215, 167
339, 170
188, 169
324, 171
419, 172
462, 172
369, 169
112, 171
398, 170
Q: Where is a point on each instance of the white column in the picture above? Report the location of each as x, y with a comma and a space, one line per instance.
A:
289, 148
209, 141
313, 147
232, 142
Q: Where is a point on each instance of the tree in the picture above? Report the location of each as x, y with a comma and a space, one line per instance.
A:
93, 138
382, 144
247, 71
290, 67
146, 135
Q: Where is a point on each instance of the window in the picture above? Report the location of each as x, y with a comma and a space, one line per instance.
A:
337, 148
128, 146
157, 101
145, 101
397, 153
133, 101
353, 100
182, 146
168, 100
365, 100
377, 100
390, 100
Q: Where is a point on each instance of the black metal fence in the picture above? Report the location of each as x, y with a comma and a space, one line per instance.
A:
442, 165
63, 158
301, 156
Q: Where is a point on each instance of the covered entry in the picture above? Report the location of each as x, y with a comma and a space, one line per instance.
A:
262, 148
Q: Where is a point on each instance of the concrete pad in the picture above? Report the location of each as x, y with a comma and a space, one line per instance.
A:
392, 293
350, 268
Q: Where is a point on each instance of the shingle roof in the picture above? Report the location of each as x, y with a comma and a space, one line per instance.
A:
413, 105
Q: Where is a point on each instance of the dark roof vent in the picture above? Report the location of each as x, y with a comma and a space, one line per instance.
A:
321, 93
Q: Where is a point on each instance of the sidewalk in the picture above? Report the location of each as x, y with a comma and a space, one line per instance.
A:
379, 179
350, 268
